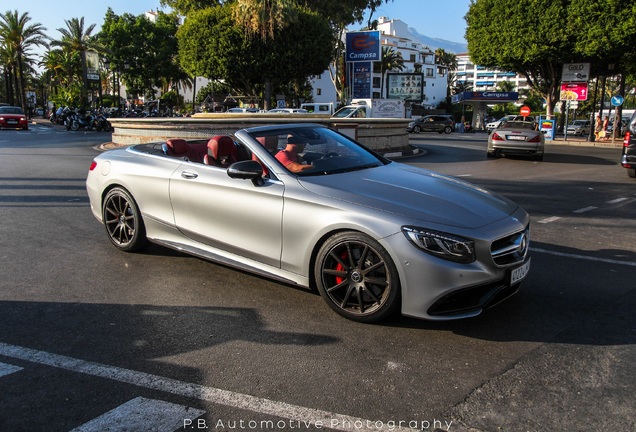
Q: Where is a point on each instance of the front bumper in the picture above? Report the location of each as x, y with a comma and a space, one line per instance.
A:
436, 289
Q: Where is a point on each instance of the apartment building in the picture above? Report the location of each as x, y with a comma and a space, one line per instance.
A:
481, 79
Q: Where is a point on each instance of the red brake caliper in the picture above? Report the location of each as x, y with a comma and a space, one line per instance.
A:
340, 267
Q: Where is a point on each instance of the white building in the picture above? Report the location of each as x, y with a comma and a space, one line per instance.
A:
481, 79
418, 58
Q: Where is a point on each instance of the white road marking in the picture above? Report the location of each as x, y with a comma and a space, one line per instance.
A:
255, 404
548, 220
584, 257
584, 209
6, 369
142, 414
616, 201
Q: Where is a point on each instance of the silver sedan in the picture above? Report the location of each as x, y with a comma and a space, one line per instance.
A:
518, 138
372, 236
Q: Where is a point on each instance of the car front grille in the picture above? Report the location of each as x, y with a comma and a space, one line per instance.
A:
511, 249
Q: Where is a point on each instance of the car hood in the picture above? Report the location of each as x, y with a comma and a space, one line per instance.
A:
415, 194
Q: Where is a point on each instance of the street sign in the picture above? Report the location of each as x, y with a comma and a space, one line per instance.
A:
574, 91
617, 100
524, 111
575, 72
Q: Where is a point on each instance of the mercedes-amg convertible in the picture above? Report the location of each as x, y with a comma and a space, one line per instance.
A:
309, 206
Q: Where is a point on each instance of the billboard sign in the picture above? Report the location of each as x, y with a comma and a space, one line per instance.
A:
363, 46
362, 80
575, 72
574, 91
405, 86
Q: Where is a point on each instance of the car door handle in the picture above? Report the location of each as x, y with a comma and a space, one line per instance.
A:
189, 175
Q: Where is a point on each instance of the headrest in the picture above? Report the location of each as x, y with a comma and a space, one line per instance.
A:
220, 145
177, 145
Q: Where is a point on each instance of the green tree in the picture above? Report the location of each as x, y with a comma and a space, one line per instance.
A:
142, 52
538, 37
212, 45
17, 37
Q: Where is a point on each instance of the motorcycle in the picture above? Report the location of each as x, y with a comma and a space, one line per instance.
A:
76, 122
100, 123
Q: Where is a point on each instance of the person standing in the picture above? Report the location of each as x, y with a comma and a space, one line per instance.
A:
598, 126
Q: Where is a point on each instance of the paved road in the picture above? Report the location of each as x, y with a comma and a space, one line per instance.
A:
92, 337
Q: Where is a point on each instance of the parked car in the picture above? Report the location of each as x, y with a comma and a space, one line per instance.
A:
242, 110
520, 138
288, 111
495, 124
372, 236
13, 117
579, 127
436, 123
628, 157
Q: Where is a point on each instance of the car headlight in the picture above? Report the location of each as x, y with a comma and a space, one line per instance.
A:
442, 245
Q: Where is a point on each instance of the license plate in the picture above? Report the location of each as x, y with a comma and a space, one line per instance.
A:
517, 274
516, 137
10, 121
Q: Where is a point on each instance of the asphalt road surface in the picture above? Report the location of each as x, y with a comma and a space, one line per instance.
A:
93, 339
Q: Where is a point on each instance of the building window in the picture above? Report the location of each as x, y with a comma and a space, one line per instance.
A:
318, 92
429, 72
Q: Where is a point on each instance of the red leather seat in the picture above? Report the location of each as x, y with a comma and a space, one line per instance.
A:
221, 152
177, 147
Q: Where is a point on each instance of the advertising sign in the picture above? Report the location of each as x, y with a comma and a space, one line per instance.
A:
363, 46
405, 86
362, 80
548, 128
575, 72
91, 69
574, 91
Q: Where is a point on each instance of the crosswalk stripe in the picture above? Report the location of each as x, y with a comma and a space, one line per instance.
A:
228, 398
141, 414
6, 369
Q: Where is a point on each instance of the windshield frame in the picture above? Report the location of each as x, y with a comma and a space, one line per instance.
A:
326, 149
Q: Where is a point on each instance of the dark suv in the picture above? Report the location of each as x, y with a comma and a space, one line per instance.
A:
437, 123
628, 160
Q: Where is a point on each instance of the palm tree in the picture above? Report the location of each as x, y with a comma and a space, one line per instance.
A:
449, 60
17, 37
264, 18
391, 61
74, 42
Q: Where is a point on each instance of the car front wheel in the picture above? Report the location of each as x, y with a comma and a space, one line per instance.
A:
123, 222
357, 278
417, 129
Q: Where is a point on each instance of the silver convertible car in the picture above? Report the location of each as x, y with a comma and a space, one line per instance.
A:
371, 235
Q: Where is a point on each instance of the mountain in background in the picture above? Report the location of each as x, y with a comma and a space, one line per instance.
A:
433, 43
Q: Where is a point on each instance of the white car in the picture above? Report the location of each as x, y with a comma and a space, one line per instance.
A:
494, 125
288, 111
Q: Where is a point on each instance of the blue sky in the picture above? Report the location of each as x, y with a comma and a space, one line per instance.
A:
442, 19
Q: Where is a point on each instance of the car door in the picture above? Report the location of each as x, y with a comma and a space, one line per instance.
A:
232, 215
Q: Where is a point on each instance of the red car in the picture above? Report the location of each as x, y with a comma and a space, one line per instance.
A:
13, 118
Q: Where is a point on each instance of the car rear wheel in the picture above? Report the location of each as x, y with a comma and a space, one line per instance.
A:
631, 172
123, 222
448, 129
357, 278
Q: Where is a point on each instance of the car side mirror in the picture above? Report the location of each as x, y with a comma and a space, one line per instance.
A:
247, 170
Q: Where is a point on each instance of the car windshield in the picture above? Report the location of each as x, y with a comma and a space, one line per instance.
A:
327, 151
10, 110
578, 123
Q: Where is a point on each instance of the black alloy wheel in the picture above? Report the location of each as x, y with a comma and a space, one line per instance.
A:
357, 277
123, 221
